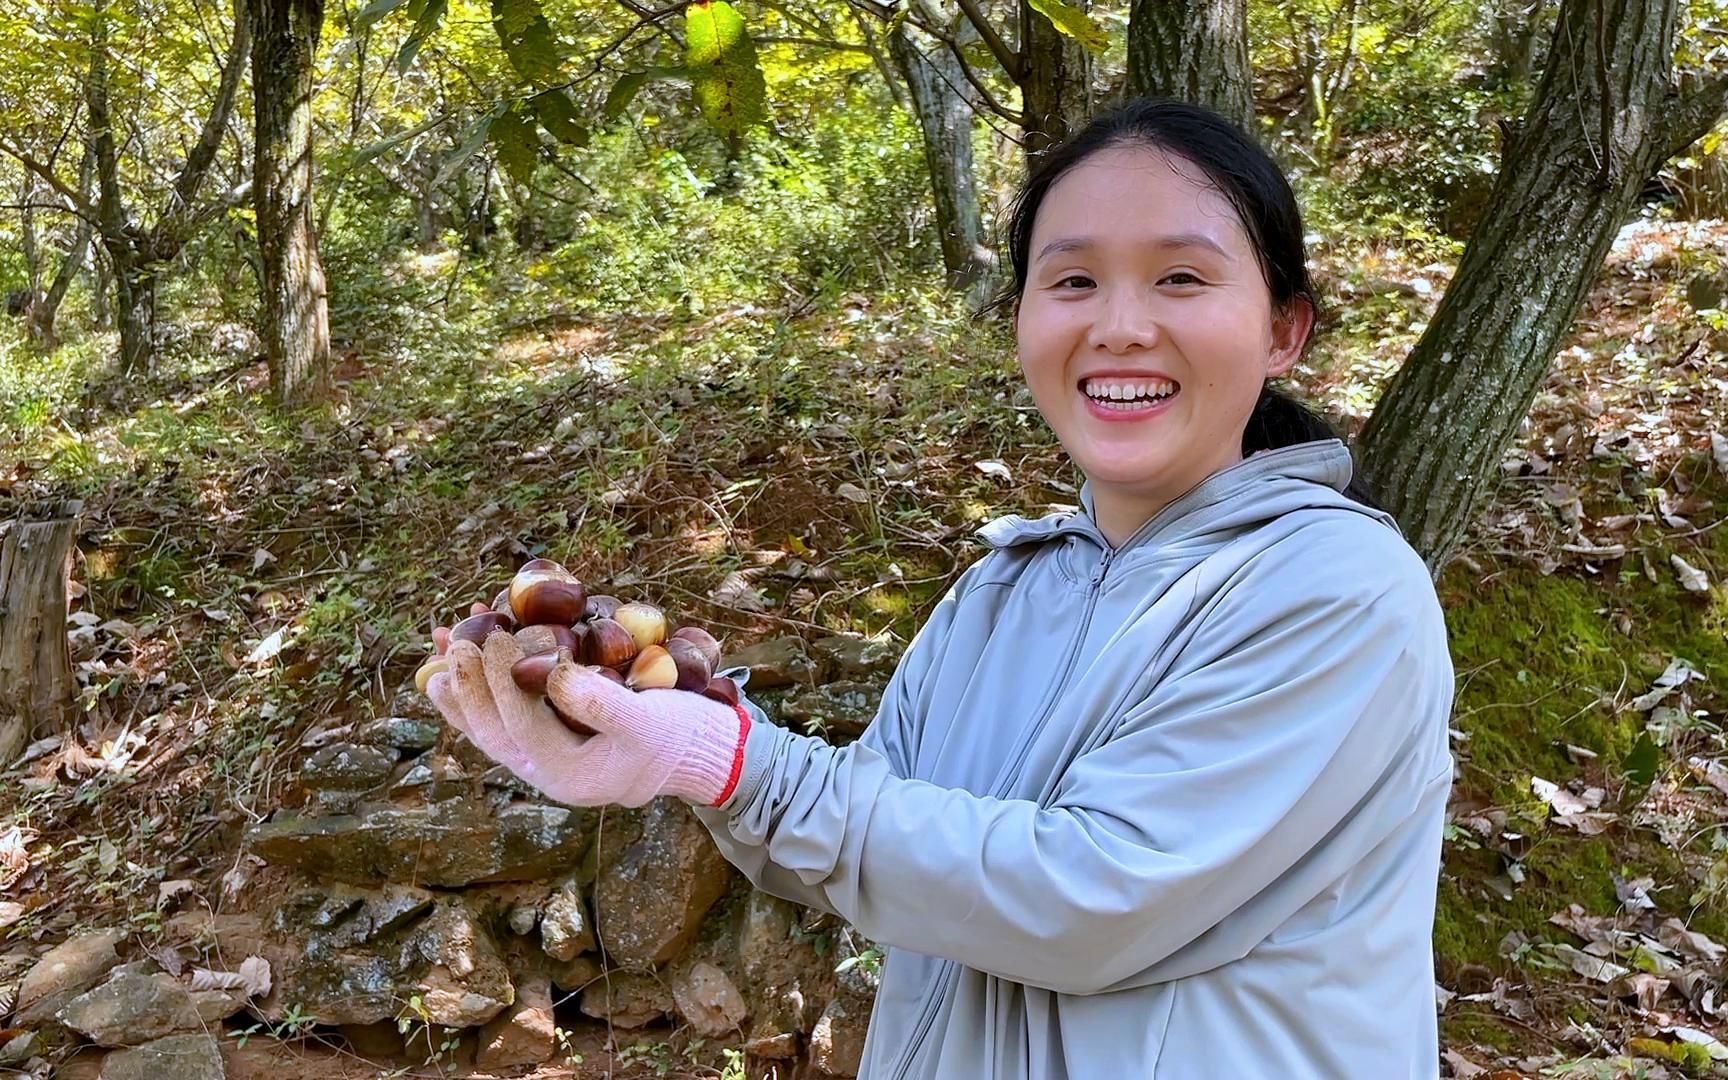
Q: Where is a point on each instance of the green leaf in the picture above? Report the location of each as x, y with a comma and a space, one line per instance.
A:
374, 11
427, 15
1073, 22
558, 115
527, 39
623, 92
518, 143
367, 153
1641, 761
472, 139
724, 71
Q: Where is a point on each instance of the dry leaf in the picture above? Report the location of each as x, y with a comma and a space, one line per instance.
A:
168, 890
735, 591
992, 467
1719, 451
1691, 578
253, 977
852, 492
10, 912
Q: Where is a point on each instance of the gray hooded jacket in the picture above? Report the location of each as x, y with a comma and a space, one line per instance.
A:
1167, 810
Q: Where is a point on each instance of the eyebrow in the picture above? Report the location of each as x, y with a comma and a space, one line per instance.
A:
1178, 240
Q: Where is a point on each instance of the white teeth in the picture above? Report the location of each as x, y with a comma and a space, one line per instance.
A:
1099, 390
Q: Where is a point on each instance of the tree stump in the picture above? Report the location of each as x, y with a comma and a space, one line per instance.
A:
38, 695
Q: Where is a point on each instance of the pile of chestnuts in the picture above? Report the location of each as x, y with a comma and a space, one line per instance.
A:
550, 613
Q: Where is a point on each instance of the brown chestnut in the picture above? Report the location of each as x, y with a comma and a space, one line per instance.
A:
550, 637
501, 602
703, 641
530, 672
646, 623
433, 666
601, 606
476, 628
694, 671
722, 689
547, 596
609, 644
610, 673
653, 669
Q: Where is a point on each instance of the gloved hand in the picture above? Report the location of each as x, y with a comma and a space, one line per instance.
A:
646, 743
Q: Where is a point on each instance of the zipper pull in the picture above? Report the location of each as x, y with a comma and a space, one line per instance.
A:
1103, 568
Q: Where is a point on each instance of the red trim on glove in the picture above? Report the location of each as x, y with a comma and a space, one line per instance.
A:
737, 758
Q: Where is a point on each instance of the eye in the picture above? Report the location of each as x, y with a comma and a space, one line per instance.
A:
1075, 277
1191, 279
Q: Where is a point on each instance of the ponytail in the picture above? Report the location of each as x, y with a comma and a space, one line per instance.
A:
1280, 420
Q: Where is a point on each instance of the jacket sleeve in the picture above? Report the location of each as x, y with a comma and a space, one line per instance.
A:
890, 737
1276, 738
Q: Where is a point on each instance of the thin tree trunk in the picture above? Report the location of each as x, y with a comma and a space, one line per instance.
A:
945, 117
1195, 51
38, 695
295, 318
1057, 88
48, 308
1604, 118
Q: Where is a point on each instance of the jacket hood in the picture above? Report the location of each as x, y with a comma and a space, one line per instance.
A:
1255, 490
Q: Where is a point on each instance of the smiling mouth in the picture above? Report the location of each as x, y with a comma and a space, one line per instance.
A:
1128, 395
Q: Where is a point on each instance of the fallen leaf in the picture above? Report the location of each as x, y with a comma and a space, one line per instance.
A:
1719, 451
992, 467
168, 890
253, 977
1674, 934
1711, 1045
1591, 967
259, 557
10, 912
1462, 1067
735, 591
1643, 986
1690, 577
852, 492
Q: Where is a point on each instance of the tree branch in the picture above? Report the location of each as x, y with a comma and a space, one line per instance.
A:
24, 158
843, 46
1689, 117
175, 215
1009, 59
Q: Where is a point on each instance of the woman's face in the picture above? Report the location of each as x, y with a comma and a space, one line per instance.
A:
1146, 328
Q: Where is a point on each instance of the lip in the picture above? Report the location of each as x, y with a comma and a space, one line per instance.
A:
1124, 373
1117, 416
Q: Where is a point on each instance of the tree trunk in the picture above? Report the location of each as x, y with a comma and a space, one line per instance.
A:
45, 311
1195, 51
1057, 88
1604, 118
37, 693
945, 117
296, 323
135, 303
101, 307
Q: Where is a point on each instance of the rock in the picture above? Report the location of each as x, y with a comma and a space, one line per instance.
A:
841, 709
133, 1007
523, 1034
411, 704
774, 1047
565, 930
64, 972
652, 892
214, 1006
407, 733
522, 918
446, 844
853, 657
707, 997
573, 976
177, 1057
341, 772
837, 1043
15, 1050
626, 999
781, 661
357, 957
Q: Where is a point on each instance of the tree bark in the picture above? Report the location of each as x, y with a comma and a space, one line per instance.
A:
295, 319
38, 695
47, 308
1195, 51
1057, 84
1604, 118
933, 80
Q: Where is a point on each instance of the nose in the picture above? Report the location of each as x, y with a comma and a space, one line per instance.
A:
1125, 322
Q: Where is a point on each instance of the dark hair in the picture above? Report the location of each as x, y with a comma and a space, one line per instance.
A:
1242, 172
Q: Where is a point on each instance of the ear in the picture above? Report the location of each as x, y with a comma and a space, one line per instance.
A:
1290, 330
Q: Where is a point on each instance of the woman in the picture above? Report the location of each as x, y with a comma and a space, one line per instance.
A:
1158, 790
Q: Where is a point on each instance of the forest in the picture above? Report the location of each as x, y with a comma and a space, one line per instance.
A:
324, 318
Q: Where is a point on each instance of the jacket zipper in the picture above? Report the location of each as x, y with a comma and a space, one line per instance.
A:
921, 1030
